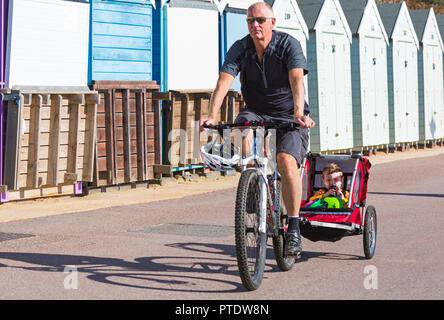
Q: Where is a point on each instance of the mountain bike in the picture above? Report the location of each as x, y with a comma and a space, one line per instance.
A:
260, 212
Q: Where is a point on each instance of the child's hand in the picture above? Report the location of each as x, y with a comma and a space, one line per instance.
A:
334, 193
340, 195
329, 193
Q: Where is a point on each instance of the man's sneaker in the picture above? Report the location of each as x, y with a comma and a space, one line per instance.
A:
293, 244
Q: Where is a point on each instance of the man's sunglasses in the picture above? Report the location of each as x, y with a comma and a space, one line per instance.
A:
259, 20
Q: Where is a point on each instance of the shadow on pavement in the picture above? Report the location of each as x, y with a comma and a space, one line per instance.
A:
186, 274
205, 274
230, 251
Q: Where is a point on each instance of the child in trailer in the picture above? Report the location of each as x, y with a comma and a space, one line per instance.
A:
332, 196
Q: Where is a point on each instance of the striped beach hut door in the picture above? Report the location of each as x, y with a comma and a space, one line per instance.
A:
121, 40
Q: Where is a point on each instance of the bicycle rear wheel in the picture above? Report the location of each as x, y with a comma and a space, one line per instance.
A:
250, 244
285, 263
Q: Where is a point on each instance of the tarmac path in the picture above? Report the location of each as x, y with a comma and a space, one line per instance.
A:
183, 248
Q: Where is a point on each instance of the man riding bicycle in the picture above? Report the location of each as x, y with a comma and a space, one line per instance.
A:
272, 68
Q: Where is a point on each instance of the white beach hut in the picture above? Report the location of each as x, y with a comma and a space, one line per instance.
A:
192, 44
402, 70
369, 74
47, 43
430, 73
289, 19
329, 77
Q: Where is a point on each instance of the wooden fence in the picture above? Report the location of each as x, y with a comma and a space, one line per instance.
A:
50, 142
182, 140
128, 131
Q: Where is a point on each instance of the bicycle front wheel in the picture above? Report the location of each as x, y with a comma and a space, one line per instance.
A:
250, 244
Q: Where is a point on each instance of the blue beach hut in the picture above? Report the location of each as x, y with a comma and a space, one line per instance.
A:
121, 38
232, 27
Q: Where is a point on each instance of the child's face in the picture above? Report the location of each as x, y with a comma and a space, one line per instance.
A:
333, 179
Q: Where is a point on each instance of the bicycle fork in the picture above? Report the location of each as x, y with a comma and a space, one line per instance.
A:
263, 205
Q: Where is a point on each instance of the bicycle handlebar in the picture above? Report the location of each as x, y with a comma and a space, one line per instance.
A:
267, 125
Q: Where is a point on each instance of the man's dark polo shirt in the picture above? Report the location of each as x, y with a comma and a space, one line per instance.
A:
266, 87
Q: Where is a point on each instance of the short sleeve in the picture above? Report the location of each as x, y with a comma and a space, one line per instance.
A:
232, 63
295, 55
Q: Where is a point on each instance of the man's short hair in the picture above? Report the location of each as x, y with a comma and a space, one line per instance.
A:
266, 5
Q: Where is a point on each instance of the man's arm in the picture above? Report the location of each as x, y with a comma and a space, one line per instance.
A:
223, 85
296, 77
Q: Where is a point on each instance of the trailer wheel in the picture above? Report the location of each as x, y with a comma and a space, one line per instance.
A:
370, 229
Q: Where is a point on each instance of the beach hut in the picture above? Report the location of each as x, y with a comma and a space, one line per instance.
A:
369, 74
47, 43
190, 37
430, 74
329, 77
232, 27
402, 70
440, 21
289, 19
3, 36
121, 40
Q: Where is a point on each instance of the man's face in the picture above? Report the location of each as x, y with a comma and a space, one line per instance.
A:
260, 31
334, 179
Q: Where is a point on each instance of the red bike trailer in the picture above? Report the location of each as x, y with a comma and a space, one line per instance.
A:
326, 224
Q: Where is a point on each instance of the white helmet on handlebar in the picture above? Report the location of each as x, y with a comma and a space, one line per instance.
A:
219, 161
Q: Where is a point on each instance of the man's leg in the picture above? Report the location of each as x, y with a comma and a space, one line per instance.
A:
291, 193
291, 183
247, 134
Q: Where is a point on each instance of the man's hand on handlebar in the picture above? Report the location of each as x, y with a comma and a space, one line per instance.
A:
205, 123
305, 122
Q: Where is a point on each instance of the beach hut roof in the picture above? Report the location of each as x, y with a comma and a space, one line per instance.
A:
390, 12
355, 10
421, 19
298, 14
313, 12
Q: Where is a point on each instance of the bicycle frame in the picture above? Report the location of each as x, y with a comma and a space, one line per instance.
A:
265, 194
